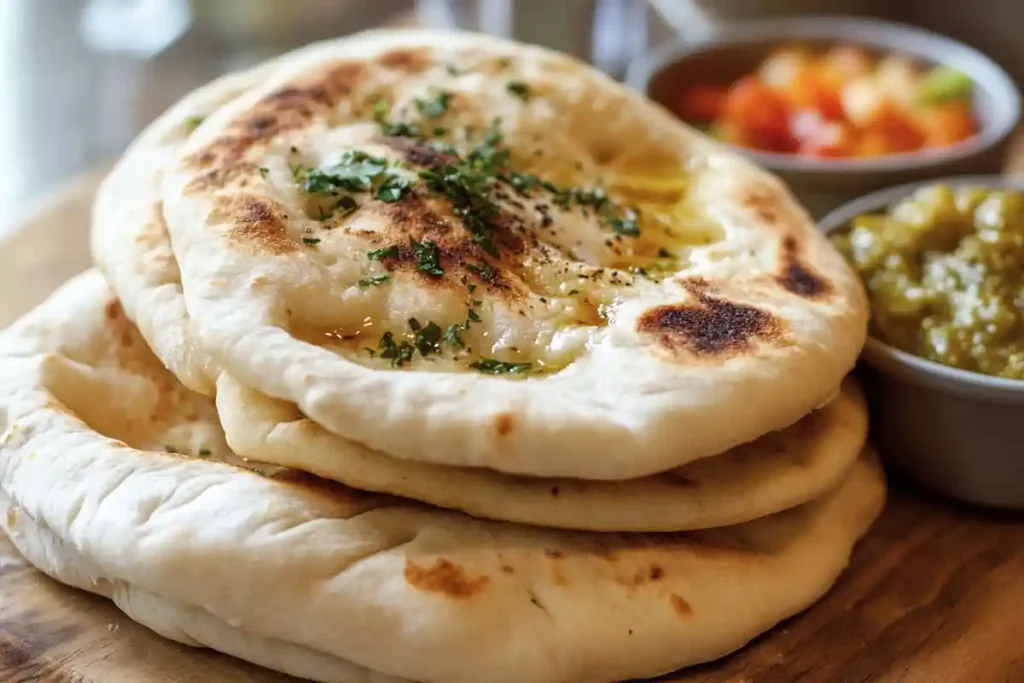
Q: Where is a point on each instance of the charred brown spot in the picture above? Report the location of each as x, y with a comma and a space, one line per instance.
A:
711, 326
409, 60
553, 554
681, 606
113, 310
284, 110
417, 154
255, 224
444, 577
503, 424
797, 277
651, 574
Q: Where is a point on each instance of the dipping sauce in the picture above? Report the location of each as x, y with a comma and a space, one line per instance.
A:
944, 270
840, 102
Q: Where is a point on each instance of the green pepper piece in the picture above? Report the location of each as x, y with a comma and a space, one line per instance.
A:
944, 83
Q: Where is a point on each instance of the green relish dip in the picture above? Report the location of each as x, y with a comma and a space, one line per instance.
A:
944, 271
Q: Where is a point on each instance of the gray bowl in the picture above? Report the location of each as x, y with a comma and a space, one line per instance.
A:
958, 433
734, 49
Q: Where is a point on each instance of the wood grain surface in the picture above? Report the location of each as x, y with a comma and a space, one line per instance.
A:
934, 594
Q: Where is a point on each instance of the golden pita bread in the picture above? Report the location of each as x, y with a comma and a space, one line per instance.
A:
489, 297
132, 247
326, 582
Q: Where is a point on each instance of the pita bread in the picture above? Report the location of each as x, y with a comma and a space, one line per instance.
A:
185, 543
133, 249
778, 471
631, 372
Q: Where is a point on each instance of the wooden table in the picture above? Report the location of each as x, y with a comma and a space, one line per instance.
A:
934, 594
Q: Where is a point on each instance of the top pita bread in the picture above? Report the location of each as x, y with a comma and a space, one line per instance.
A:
775, 472
347, 583
673, 369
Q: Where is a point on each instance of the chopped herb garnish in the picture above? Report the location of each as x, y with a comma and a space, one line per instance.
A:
519, 89
391, 188
498, 367
204, 452
573, 291
299, 173
452, 337
472, 317
427, 337
468, 191
398, 352
522, 182
373, 281
193, 122
427, 257
505, 62
311, 240
664, 253
484, 270
435, 106
440, 130
385, 253
626, 224
453, 70
354, 172
264, 171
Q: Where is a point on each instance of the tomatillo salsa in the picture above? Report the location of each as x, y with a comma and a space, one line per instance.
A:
944, 270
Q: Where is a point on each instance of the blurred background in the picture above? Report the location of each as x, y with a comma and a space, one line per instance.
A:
80, 77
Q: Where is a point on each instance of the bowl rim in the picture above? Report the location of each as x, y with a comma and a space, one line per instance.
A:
902, 363
878, 33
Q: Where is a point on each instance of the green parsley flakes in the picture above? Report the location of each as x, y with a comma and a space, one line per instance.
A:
193, 122
312, 241
452, 336
385, 253
373, 281
498, 367
518, 89
427, 337
434, 106
427, 257
391, 188
485, 271
205, 453
626, 224
398, 353
264, 172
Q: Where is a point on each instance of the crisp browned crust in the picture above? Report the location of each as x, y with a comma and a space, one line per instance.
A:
798, 277
792, 274
709, 327
256, 223
444, 577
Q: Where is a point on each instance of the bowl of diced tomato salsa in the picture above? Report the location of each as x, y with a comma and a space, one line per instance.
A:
838, 106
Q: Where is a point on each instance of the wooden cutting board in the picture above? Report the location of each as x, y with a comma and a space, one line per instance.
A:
934, 594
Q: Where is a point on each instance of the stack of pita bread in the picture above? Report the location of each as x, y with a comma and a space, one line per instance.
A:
436, 357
